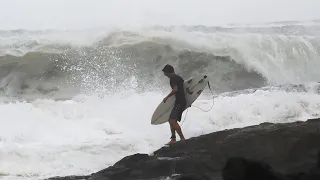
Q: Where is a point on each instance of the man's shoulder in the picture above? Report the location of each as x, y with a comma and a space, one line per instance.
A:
177, 77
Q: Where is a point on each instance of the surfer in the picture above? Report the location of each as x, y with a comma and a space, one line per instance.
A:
176, 83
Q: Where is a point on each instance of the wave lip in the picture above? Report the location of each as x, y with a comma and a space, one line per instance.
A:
233, 58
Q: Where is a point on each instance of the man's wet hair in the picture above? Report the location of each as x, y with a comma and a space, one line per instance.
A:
168, 69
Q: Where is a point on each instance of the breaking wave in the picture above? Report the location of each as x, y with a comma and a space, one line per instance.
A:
234, 58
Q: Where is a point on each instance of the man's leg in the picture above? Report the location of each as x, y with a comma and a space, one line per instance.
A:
173, 134
176, 127
175, 116
173, 131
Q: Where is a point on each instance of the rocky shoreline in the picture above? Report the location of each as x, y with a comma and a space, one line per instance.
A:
286, 151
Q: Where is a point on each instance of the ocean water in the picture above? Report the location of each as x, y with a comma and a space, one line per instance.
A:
73, 102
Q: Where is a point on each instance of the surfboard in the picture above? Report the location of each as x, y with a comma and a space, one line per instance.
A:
193, 87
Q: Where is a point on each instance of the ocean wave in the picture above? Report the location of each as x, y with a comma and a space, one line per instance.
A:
233, 58
45, 72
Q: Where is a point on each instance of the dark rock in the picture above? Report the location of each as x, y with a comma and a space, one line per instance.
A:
242, 153
70, 178
189, 178
296, 176
238, 168
312, 174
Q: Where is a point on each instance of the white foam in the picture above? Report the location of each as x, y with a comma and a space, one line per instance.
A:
20, 43
281, 59
48, 138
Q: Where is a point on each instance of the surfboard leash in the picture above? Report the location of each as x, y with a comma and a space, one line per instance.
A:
212, 100
185, 117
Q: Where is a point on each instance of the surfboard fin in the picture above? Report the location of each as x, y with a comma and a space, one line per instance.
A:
204, 77
209, 85
188, 91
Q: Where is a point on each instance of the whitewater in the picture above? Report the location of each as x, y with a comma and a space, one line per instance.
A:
73, 102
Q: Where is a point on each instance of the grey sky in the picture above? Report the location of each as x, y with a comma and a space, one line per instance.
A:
79, 14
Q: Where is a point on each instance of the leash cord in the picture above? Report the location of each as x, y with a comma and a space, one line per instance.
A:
199, 107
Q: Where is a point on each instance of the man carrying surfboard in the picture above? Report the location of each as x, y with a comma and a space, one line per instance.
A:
176, 83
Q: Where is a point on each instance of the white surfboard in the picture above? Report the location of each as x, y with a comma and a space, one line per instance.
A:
193, 87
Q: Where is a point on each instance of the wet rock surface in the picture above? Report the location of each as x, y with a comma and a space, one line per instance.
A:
288, 151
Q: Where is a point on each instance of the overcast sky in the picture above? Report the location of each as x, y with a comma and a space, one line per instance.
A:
79, 14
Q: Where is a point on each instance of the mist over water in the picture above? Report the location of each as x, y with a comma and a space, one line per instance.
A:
234, 58
79, 83
85, 14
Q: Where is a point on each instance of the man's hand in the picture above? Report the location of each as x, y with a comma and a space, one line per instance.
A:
174, 90
165, 99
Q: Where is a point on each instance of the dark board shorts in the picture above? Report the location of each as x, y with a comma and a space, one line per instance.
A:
176, 112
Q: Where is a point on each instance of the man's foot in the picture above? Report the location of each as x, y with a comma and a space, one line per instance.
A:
183, 140
171, 142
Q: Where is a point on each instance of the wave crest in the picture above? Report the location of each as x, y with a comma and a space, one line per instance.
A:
233, 60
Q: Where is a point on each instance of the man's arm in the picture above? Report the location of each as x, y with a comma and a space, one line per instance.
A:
173, 91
